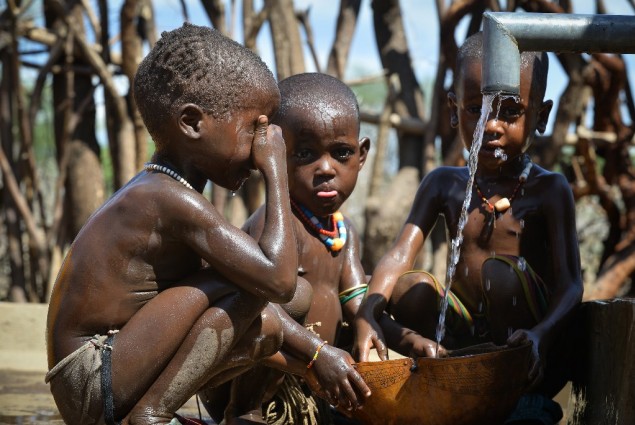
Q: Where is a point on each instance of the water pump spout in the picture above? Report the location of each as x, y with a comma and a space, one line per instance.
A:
506, 34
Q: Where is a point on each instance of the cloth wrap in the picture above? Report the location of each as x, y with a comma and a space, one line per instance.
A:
81, 383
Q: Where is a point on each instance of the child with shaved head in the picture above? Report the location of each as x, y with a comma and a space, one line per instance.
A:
319, 118
518, 275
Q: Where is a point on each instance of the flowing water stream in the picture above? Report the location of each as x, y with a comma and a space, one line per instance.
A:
455, 245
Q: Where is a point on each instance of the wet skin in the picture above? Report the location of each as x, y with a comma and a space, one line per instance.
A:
324, 157
136, 266
539, 227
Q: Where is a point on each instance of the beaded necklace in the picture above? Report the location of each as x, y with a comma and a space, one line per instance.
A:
333, 239
503, 204
149, 166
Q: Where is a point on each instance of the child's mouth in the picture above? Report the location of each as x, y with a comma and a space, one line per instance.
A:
327, 194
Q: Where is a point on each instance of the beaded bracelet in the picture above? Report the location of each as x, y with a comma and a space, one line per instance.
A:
315, 356
359, 291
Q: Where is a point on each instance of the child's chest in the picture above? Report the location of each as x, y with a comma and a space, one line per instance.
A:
318, 265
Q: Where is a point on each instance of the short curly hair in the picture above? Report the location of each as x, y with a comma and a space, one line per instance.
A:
316, 91
196, 64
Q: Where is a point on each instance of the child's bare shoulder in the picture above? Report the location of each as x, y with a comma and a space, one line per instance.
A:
445, 178
552, 180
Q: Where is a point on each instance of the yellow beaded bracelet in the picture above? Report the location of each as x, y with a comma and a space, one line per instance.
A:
315, 356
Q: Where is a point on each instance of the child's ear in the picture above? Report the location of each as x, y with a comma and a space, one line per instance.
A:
190, 118
543, 116
364, 147
452, 104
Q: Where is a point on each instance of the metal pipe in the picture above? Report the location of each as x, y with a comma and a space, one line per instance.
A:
506, 34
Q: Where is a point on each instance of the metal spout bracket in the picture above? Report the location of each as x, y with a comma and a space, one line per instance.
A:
506, 34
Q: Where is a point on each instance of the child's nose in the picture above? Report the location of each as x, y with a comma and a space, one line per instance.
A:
325, 166
493, 125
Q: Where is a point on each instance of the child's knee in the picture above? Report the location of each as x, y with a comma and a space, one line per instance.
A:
271, 336
499, 274
413, 289
300, 305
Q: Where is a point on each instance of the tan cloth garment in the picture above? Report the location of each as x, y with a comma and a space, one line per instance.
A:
76, 384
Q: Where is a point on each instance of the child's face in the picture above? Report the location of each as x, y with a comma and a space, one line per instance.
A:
230, 141
324, 158
511, 124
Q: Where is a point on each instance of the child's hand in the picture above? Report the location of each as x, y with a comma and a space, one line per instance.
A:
424, 347
268, 150
536, 368
334, 379
368, 334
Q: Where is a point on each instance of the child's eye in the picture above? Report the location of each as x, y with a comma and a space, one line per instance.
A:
302, 154
342, 154
473, 109
511, 112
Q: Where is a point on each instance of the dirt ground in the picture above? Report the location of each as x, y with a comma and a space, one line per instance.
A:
24, 397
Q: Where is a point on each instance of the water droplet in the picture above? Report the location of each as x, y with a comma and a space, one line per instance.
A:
467, 271
232, 193
522, 223
499, 153
492, 254
480, 307
488, 284
522, 192
514, 300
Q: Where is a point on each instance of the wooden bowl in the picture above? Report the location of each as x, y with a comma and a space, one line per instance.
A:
475, 385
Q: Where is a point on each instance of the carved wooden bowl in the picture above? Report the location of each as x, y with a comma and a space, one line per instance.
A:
475, 385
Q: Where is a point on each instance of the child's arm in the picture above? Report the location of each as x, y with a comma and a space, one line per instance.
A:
398, 260
266, 267
567, 288
353, 280
408, 342
327, 369
277, 240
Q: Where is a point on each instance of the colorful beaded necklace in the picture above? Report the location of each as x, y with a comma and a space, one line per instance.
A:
170, 172
333, 239
503, 204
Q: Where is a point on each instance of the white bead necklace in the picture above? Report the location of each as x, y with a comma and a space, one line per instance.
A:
149, 166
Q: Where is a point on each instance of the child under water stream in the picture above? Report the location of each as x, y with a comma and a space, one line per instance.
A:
513, 275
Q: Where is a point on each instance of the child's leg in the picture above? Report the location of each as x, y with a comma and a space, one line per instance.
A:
247, 392
206, 353
415, 303
179, 340
505, 287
